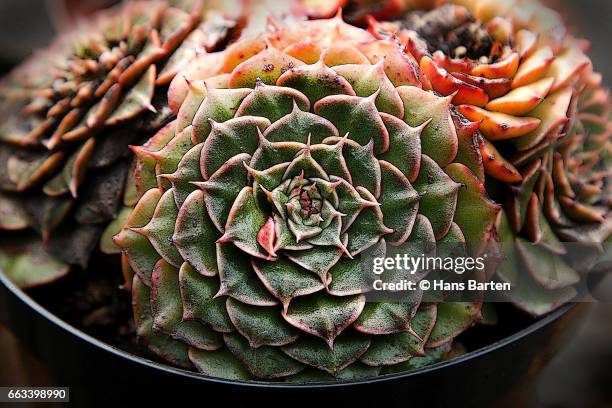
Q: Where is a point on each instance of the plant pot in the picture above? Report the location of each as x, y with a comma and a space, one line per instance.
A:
99, 374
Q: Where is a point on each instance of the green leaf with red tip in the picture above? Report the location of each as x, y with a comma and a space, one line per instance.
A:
270, 180
272, 102
285, 238
452, 319
195, 235
266, 66
226, 140
422, 237
285, 280
468, 151
319, 259
73, 173
350, 203
438, 193
352, 276
404, 146
526, 294
399, 203
452, 244
368, 227
329, 236
186, 174
476, 213
306, 165
165, 346
244, 222
439, 138
313, 352
298, 125
399, 347
138, 249
521, 194
316, 81
546, 268
27, 264
219, 364
323, 315
170, 156
388, 318
186, 114
238, 279
199, 301
160, 229
221, 193
220, 105
432, 356
330, 158
363, 165
167, 311
175, 25
142, 176
136, 101
264, 362
261, 326
270, 154
356, 116
399, 66
107, 245
367, 80
25, 172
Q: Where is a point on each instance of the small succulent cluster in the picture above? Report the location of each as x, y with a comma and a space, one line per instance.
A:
543, 124
284, 153
68, 116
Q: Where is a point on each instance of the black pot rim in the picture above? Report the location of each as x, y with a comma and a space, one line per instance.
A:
194, 376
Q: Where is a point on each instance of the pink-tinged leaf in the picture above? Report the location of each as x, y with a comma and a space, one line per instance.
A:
439, 138
452, 319
323, 315
27, 264
167, 311
141, 255
315, 353
238, 279
265, 362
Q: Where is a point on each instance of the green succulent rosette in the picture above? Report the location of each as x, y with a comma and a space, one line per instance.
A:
266, 198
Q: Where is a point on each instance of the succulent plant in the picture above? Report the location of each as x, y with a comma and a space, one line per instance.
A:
282, 174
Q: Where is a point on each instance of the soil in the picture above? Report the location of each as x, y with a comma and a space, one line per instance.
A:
449, 27
95, 302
